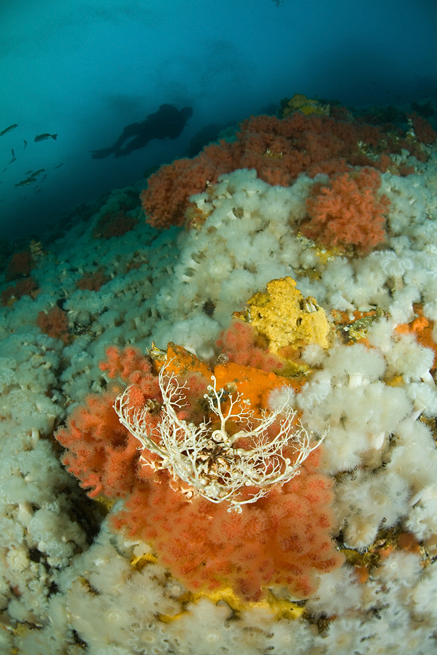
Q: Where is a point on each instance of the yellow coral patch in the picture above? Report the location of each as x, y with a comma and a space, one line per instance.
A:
306, 105
281, 608
138, 563
286, 318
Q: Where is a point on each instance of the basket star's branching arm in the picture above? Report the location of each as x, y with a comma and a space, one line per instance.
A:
208, 459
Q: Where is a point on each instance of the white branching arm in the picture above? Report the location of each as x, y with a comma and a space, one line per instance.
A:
210, 461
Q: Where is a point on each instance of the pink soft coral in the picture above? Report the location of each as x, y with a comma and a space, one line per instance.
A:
168, 191
100, 451
278, 149
25, 287
54, 323
348, 211
238, 344
19, 265
423, 129
282, 539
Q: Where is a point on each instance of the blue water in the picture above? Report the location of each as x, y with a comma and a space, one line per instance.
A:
85, 69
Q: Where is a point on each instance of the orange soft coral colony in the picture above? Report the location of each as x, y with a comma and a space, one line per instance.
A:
281, 539
54, 323
100, 452
278, 149
235, 455
348, 212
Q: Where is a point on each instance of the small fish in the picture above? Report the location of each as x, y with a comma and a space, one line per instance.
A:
28, 180
38, 172
8, 129
38, 190
13, 156
43, 178
25, 144
43, 137
59, 165
29, 172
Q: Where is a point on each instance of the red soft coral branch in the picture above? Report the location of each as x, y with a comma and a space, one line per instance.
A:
131, 367
423, 129
54, 323
101, 452
282, 539
348, 211
278, 149
238, 343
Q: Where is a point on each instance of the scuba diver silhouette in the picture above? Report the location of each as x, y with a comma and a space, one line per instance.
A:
168, 121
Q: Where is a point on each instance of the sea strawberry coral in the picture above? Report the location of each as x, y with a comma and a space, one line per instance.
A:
281, 539
278, 149
238, 343
208, 459
348, 211
54, 323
